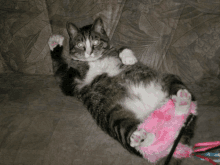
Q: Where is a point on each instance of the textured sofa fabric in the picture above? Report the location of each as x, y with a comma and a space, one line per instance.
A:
41, 126
181, 37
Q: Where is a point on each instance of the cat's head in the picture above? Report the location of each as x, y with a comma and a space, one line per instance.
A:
89, 42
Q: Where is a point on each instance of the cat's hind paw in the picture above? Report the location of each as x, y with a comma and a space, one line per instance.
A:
127, 57
141, 138
55, 40
182, 102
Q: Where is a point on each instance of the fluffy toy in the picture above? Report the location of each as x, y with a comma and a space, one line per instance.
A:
163, 126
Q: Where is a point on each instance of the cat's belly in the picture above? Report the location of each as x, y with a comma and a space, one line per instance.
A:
109, 65
143, 99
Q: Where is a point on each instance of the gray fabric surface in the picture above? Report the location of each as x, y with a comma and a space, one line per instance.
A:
41, 126
177, 36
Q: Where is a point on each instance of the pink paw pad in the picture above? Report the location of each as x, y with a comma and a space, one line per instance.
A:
183, 103
55, 40
53, 44
138, 137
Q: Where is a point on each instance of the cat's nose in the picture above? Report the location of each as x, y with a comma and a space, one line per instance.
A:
88, 51
87, 55
88, 47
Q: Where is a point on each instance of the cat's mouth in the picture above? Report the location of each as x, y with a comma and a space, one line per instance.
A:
87, 59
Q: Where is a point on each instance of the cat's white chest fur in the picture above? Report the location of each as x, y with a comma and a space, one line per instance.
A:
109, 65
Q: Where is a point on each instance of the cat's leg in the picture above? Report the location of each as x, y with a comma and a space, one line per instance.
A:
64, 75
56, 47
141, 138
172, 84
182, 102
127, 57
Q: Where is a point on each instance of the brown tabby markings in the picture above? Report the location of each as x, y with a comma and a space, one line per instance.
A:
118, 91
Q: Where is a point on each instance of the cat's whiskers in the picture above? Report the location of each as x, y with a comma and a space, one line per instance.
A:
88, 59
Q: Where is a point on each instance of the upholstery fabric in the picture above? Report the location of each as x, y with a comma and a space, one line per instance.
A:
180, 37
41, 126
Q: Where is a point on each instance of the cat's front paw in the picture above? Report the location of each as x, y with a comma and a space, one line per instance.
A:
55, 40
141, 138
182, 102
127, 57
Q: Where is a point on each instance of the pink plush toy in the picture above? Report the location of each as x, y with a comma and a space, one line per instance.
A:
164, 125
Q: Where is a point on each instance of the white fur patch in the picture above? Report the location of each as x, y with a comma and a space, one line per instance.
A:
107, 65
144, 100
54, 40
88, 49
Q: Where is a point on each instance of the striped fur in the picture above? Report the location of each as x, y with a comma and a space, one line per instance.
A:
118, 96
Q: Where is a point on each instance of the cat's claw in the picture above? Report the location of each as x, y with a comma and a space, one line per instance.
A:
55, 40
141, 138
182, 102
127, 57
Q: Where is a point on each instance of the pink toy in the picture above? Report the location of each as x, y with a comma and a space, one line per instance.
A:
165, 126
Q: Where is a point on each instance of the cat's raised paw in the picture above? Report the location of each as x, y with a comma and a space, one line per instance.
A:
55, 40
141, 138
127, 57
182, 102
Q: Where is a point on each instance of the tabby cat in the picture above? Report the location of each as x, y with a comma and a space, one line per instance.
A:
118, 91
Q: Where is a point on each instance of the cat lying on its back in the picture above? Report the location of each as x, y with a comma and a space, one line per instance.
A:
118, 91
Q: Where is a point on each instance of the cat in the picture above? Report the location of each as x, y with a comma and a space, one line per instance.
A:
117, 89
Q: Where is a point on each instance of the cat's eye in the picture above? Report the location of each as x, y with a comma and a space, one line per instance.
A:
80, 44
96, 42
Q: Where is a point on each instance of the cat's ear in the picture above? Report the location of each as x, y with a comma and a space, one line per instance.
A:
71, 29
98, 26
